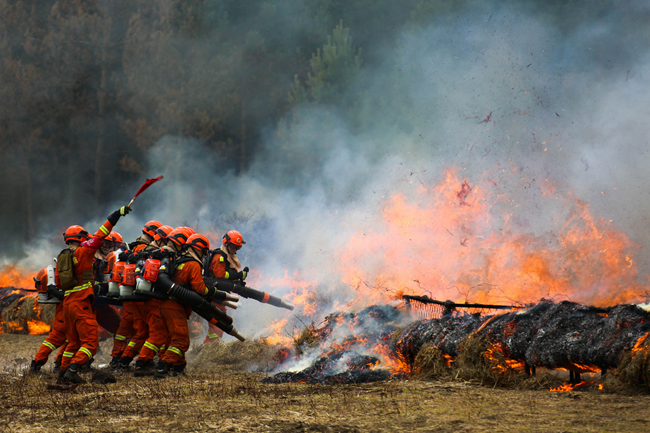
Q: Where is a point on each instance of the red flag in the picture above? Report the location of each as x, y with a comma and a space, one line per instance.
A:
146, 185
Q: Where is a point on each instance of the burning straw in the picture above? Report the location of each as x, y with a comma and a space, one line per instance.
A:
21, 313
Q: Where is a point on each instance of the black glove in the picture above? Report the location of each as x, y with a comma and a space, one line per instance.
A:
115, 216
242, 274
123, 256
55, 292
211, 291
158, 254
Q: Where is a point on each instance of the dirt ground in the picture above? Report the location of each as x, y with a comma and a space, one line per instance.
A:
221, 396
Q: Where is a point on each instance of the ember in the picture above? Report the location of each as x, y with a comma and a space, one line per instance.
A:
349, 350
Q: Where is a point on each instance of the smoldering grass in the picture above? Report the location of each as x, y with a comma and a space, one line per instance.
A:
633, 373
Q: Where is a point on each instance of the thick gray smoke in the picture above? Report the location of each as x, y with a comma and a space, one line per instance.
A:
497, 94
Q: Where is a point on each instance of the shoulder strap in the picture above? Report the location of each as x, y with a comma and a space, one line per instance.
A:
186, 258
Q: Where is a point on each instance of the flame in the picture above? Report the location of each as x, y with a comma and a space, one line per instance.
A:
575, 387
637, 346
396, 365
496, 354
23, 315
469, 243
15, 276
276, 331
37, 327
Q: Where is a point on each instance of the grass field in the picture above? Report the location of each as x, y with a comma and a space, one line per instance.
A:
218, 394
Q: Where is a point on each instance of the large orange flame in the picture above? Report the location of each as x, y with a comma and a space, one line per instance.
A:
456, 241
15, 276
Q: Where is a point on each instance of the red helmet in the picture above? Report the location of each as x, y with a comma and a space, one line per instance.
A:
179, 236
234, 238
199, 242
150, 228
75, 233
162, 232
114, 237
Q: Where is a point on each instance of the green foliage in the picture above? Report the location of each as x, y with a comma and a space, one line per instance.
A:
332, 68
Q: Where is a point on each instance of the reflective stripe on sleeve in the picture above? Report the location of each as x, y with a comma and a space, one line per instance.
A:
78, 288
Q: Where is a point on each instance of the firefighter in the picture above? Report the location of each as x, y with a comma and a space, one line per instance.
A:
138, 309
158, 338
56, 337
188, 273
148, 233
103, 265
75, 276
108, 317
223, 263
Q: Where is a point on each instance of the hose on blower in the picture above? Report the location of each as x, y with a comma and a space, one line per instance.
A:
247, 292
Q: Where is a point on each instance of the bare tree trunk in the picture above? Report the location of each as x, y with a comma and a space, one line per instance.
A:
99, 151
29, 205
242, 145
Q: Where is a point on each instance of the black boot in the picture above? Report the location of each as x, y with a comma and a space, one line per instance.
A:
88, 366
57, 367
115, 363
60, 379
143, 368
73, 374
35, 366
124, 362
179, 370
163, 369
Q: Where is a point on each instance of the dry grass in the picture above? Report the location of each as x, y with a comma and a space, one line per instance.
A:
633, 373
430, 363
219, 396
233, 356
307, 339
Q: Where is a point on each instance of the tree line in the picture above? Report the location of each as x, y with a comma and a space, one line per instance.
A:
88, 87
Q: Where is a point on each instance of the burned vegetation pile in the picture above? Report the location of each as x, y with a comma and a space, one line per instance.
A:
564, 335
339, 351
370, 345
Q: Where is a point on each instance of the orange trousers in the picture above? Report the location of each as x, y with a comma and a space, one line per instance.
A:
141, 328
125, 331
81, 331
55, 339
175, 318
158, 335
214, 334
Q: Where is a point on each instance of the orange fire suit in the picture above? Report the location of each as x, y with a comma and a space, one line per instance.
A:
188, 274
56, 338
108, 317
141, 314
219, 268
158, 335
78, 310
